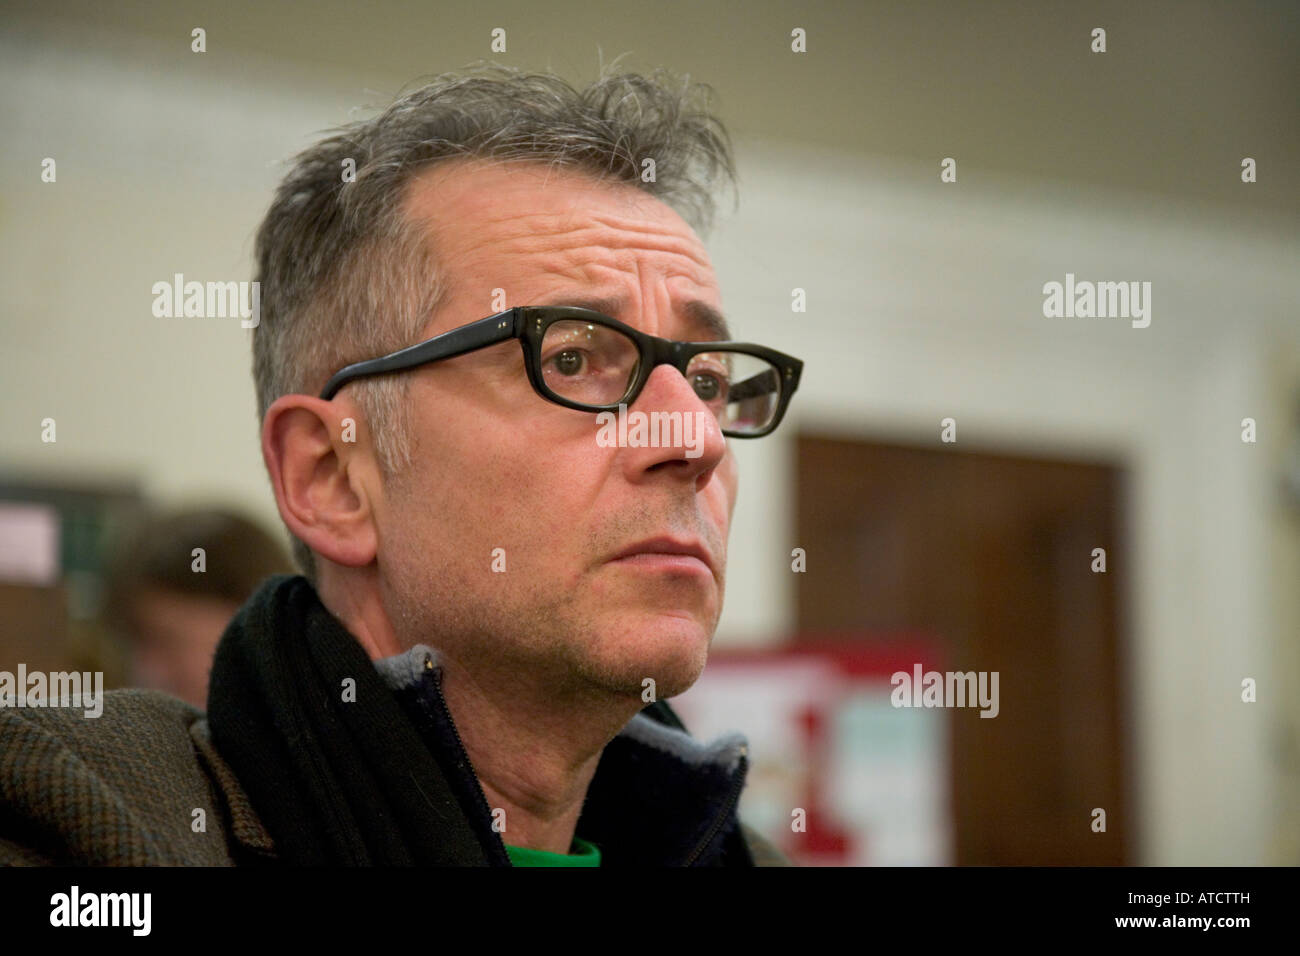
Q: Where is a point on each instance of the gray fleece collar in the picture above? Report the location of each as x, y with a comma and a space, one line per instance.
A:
406, 670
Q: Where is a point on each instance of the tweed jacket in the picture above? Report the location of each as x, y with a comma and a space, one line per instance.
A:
141, 785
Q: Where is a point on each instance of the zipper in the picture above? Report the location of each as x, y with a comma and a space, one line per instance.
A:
732, 799
478, 787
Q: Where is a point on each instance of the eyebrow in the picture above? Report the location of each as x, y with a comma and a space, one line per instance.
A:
703, 316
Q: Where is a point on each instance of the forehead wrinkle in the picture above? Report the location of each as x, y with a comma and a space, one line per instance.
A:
583, 248
639, 234
659, 223
586, 237
563, 241
585, 264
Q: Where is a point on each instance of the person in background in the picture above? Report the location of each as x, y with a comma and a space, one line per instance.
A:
171, 603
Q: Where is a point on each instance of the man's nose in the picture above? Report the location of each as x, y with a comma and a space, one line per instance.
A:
700, 442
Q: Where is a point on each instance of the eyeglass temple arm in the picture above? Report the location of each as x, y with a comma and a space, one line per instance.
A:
476, 335
766, 382
756, 385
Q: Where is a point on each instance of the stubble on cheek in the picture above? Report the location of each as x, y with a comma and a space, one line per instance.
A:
556, 613
467, 587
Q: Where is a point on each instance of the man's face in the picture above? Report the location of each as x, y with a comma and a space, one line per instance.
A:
495, 466
174, 638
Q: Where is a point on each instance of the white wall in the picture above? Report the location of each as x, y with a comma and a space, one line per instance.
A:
924, 302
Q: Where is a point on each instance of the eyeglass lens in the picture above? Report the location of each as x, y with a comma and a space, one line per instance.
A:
595, 365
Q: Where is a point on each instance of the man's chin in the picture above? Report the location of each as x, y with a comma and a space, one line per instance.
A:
669, 650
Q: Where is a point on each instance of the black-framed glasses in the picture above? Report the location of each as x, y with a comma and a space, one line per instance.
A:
588, 361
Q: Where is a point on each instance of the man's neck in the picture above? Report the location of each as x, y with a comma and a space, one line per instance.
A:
534, 752
534, 758
356, 605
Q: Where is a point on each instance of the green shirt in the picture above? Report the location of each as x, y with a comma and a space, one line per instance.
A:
581, 854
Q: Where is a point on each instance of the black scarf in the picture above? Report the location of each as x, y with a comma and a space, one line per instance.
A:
335, 782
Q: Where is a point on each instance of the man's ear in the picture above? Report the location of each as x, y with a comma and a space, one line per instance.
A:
322, 476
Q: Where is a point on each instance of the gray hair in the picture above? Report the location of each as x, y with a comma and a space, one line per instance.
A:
345, 275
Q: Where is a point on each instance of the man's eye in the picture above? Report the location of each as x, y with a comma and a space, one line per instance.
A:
709, 386
568, 362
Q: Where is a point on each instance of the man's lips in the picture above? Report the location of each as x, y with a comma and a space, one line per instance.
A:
667, 554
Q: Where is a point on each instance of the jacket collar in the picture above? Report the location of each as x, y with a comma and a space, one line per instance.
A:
658, 797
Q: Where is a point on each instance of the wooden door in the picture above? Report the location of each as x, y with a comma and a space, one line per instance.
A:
992, 555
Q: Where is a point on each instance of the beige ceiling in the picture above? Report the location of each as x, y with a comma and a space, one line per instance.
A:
1185, 90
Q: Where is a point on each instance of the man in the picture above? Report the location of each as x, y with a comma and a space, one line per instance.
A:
459, 298
172, 618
